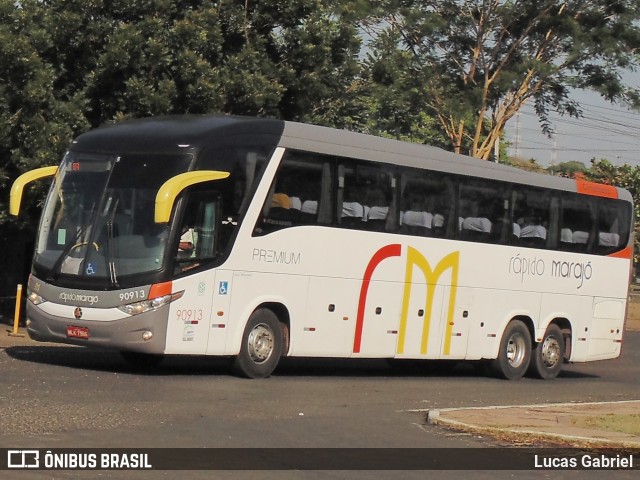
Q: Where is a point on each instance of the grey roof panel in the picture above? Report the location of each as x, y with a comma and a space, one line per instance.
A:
367, 147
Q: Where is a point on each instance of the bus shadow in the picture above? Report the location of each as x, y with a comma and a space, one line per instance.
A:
300, 367
352, 367
111, 361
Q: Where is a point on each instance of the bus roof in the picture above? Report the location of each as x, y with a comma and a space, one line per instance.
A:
196, 132
378, 149
173, 133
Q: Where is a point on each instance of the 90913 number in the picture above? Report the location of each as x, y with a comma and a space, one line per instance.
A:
189, 315
133, 295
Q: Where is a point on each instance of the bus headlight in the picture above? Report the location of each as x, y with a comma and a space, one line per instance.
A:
35, 298
150, 305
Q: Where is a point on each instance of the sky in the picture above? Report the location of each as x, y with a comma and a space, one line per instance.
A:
605, 130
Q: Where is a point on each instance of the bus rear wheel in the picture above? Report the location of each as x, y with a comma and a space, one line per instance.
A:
514, 355
261, 346
548, 355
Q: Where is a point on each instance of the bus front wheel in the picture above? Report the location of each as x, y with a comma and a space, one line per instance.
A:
548, 355
261, 345
515, 352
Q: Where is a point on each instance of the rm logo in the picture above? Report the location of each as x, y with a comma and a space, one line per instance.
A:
414, 259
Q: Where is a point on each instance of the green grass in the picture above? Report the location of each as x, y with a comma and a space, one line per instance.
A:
629, 423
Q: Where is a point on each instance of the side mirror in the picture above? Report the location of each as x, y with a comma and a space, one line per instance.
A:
15, 197
168, 192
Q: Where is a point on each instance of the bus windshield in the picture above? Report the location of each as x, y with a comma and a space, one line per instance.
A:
98, 221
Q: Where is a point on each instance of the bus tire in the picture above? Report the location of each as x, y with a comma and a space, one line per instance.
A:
514, 354
548, 355
261, 347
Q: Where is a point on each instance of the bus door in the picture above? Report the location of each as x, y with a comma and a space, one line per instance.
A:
220, 312
191, 315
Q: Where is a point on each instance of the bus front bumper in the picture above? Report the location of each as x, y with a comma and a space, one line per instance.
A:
145, 333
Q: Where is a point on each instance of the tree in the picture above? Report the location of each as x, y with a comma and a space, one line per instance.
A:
391, 99
70, 65
568, 169
477, 62
36, 120
276, 58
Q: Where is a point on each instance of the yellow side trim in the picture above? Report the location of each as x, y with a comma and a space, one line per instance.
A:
450, 261
169, 191
15, 197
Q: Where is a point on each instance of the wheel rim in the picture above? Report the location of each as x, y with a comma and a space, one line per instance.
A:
516, 348
551, 352
260, 343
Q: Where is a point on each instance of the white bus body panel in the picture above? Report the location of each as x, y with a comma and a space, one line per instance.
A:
317, 274
189, 319
608, 323
477, 289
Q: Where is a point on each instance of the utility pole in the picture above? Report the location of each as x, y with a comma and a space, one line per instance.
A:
517, 139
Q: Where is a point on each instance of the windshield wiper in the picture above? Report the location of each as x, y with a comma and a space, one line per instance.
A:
73, 244
111, 254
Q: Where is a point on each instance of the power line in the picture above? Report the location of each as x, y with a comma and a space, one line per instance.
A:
617, 111
612, 129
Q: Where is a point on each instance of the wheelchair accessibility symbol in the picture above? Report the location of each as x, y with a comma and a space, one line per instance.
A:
223, 289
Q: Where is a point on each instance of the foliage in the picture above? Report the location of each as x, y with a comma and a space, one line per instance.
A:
69, 65
37, 119
447, 73
472, 64
391, 96
530, 165
567, 169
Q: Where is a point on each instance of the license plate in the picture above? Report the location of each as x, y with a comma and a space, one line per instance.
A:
77, 332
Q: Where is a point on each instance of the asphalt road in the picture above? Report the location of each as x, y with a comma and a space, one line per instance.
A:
59, 396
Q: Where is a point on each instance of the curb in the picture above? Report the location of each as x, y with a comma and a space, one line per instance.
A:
438, 417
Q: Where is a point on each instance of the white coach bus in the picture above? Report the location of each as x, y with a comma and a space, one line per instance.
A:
257, 239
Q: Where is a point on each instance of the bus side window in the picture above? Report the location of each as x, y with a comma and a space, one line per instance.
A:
531, 217
352, 208
577, 222
300, 194
483, 211
366, 198
426, 203
380, 204
198, 240
612, 229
